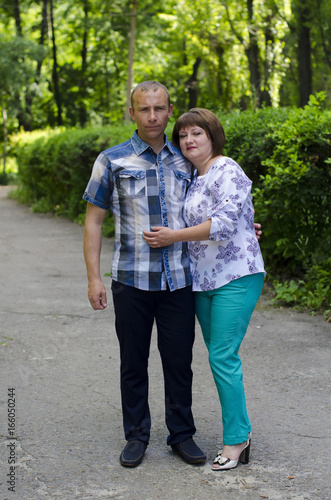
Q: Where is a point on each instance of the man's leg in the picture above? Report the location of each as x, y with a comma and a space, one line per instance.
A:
134, 313
175, 323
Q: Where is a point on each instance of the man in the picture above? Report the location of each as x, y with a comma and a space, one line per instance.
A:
144, 182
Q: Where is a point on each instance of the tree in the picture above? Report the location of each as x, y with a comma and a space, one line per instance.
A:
308, 47
130, 61
55, 76
229, 54
16, 71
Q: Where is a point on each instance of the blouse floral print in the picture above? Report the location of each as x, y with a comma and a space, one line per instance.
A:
223, 195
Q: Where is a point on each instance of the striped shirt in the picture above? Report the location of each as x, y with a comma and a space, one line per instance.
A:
143, 189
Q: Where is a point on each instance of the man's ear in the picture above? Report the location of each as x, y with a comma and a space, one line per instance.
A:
131, 113
171, 108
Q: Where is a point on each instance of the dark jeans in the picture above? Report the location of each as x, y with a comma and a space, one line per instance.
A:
135, 311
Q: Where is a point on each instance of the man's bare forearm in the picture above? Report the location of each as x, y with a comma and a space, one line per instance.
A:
92, 251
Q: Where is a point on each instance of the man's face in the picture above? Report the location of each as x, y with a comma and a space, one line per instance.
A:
151, 113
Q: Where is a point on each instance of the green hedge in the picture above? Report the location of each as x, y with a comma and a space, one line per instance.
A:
54, 167
286, 152
250, 140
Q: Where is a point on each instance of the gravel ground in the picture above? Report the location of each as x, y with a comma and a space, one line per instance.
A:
61, 359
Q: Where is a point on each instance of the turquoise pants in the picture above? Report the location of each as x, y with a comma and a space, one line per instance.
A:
224, 315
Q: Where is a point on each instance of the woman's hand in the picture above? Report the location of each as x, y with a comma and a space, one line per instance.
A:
159, 236
164, 236
258, 231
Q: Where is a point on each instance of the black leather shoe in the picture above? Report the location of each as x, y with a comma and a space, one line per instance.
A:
189, 451
133, 453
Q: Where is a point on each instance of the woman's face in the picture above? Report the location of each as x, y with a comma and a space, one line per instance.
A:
195, 145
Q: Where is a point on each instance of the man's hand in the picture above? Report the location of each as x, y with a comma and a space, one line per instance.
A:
258, 231
97, 294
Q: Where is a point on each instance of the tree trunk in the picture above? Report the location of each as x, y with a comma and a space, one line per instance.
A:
192, 84
25, 115
55, 76
251, 51
43, 33
131, 54
17, 17
5, 139
304, 54
83, 83
253, 56
269, 42
30, 94
20, 110
220, 77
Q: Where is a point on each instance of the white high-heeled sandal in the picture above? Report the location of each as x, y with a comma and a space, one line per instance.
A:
224, 463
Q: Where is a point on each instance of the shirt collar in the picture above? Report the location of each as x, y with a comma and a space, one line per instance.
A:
140, 146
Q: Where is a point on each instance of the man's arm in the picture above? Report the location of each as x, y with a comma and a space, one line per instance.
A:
95, 217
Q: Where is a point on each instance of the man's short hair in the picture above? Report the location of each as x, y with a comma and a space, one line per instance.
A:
206, 120
147, 86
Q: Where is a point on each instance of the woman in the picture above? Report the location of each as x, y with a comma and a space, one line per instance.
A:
226, 265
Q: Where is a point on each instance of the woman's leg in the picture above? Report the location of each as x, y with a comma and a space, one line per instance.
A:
224, 315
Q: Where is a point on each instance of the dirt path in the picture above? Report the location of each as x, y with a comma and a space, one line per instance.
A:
61, 358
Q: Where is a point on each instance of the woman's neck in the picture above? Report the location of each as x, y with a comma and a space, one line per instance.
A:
204, 166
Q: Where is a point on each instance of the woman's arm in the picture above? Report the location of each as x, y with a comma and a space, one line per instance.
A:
164, 236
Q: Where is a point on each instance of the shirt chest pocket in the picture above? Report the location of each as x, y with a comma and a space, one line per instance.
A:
131, 183
182, 182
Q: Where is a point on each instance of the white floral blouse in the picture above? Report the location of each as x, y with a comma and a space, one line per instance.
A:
223, 195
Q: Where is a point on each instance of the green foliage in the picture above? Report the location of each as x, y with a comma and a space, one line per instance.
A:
287, 154
207, 52
16, 69
249, 138
4, 180
17, 56
293, 202
313, 293
55, 167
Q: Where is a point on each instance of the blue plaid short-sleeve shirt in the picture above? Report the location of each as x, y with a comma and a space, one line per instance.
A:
143, 189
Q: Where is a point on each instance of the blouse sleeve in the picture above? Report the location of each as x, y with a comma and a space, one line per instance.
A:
229, 189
